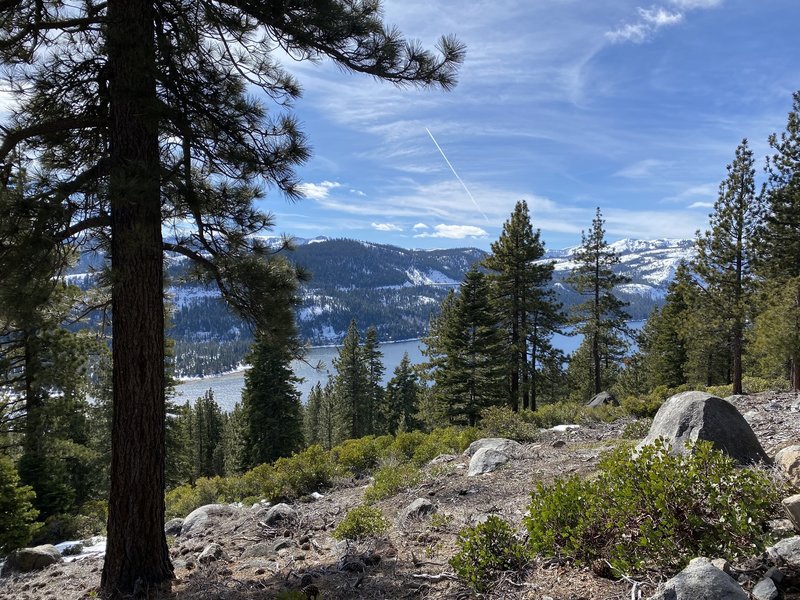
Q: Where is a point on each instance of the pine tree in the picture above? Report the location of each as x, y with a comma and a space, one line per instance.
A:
206, 432
373, 361
311, 416
350, 387
527, 306
141, 111
327, 416
723, 259
401, 404
602, 318
778, 247
271, 405
466, 349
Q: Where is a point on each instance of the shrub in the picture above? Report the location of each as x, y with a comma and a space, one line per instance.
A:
181, 501
501, 421
636, 430
308, 471
486, 551
391, 479
654, 510
550, 415
361, 522
446, 440
261, 481
405, 445
754, 385
360, 456
17, 515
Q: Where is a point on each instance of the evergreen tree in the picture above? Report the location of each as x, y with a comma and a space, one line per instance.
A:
777, 328
723, 259
206, 432
271, 405
602, 318
350, 388
138, 111
528, 310
778, 246
373, 361
328, 416
401, 399
311, 416
466, 350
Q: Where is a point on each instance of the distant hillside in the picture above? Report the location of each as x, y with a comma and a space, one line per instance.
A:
396, 289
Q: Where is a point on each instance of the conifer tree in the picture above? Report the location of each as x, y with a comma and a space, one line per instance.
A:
350, 387
527, 307
778, 247
141, 110
602, 318
271, 405
373, 361
723, 260
401, 399
206, 432
327, 416
466, 349
311, 416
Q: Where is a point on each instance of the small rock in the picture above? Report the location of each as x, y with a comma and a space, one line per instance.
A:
443, 458
765, 590
775, 574
700, 580
173, 527
559, 444
602, 399
279, 512
282, 543
211, 553
788, 459
417, 509
781, 528
792, 507
486, 460
788, 551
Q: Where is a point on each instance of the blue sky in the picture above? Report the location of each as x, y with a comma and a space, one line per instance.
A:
569, 104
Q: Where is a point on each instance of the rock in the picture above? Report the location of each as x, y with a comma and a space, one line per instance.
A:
792, 507
279, 512
443, 458
781, 528
418, 508
559, 444
693, 416
722, 564
486, 460
282, 543
26, 560
700, 580
765, 590
787, 550
506, 446
602, 399
788, 459
211, 553
173, 527
260, 550
197, 519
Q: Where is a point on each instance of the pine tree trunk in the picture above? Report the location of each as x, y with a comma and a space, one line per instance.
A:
136, 556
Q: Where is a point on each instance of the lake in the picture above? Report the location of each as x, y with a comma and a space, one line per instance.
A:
227, 388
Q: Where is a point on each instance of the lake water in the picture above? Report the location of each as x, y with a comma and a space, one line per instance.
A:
227, 388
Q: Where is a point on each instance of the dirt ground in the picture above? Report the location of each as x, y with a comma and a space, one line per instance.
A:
411, 561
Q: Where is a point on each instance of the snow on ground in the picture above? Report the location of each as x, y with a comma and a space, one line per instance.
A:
76, 550
184, 296
641, 289
432, 277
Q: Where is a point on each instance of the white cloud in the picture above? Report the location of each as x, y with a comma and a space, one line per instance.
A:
649, 21
695, 4
420, 226
641, 169
454, 232
318, 191
358, 193
386, 227
701, 205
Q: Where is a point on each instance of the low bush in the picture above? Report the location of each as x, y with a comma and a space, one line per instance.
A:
310, 470
391, 479
361, 456
636, 430
446, 440
404, 446
485, 552
361, 522
501, 421
654, 510
755, 385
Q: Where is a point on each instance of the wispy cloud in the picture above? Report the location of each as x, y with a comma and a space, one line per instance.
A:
420, 227
454, 232
649, 21
641, 169
386, 227
694, 4
318, 191
701, 205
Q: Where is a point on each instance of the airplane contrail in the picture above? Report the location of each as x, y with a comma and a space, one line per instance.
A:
461, 181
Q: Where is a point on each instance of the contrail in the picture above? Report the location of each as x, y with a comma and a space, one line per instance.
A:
461, 181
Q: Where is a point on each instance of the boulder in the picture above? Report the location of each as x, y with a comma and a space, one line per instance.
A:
173, 527
602, 399
792, 507
211, 553
25, 560
486, 460
506, 446
418, 508
787, 551
788, 460
700, 580
197, 519
694, 416
765, 590
279, 512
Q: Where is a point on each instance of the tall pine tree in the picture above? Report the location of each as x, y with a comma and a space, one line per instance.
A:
401, 399
350, 388
373, 361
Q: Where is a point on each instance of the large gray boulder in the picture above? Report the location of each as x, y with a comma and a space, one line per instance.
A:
506, 446
417, 509
486, 460
787, 551
198, 518
25, 560
700, 580
279, 512
695, 416
602, 399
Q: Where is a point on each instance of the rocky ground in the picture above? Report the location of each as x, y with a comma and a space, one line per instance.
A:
261, 559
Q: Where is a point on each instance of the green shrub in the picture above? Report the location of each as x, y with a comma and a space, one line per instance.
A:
550, 415
361, 522
485, 552
654, 510
262, 482
755, 385
360, 456
17, 515
405, 445
501, 421
636, 430
181, 501
720, 391
308, 471
446, 440
391, 479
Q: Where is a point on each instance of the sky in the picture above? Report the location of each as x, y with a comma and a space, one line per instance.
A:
633, 107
